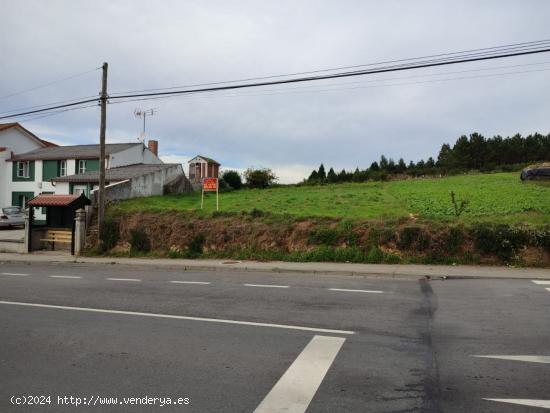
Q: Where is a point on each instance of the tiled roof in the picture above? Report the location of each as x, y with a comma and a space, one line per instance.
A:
53, 200
209, 160
117, 174
73, 152
4, 126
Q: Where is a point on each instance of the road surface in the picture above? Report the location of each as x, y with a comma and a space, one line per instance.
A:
121, 339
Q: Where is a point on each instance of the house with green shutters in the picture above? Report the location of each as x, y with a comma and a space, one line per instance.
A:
35, 172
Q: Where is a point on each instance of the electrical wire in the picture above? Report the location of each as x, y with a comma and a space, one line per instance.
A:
48, 84
487, 49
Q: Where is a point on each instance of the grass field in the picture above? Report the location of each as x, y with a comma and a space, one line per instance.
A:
499, 197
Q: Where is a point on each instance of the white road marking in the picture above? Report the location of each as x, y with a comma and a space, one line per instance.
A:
191, 282
266, 285
123, 279
539, 282
526, 402
295, 389
181, 317
530, 359
548, 289
65, 276
14, 273
356, 291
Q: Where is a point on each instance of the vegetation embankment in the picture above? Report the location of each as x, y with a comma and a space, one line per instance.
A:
494, 219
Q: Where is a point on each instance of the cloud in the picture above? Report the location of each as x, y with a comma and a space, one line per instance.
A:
292, 129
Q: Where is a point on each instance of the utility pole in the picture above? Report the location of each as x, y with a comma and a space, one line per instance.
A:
101, 191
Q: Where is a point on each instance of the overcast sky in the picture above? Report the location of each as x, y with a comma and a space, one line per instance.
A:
343, 123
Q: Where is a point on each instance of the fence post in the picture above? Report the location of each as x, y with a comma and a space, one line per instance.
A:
79, 231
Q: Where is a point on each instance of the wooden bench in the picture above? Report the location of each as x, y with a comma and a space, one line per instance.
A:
63, 236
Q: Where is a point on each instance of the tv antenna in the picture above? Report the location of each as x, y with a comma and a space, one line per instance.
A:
141, 113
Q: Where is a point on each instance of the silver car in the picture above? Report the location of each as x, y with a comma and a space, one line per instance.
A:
12, 216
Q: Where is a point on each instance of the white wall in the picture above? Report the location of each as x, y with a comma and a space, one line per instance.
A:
16, 141
133, 155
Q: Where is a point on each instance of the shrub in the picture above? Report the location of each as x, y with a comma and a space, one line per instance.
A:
257, 213
109, 235
139, 241
407, 236
196, 245
233, 179
453, 240
259, 178
375, 255
324, 236
459, 207
501, 240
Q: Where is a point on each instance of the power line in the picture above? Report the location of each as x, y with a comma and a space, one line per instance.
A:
335, 75
486, 49
486, 54
49, 104
48, 84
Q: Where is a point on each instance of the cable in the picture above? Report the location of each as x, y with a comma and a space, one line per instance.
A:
301, 89
495, 48
56, 113
334, 76
48, 104
48, 84
486, 54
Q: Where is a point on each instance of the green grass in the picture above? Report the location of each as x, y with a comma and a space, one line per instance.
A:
499, 197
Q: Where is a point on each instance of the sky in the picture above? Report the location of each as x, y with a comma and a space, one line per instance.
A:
343, 123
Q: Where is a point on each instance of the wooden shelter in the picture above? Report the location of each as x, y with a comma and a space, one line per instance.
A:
60, 220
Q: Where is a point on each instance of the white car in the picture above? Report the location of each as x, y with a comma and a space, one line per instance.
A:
12, 216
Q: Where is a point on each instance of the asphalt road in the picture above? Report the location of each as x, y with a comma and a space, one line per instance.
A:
232, 342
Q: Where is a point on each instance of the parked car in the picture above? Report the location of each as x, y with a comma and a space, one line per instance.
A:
12, 216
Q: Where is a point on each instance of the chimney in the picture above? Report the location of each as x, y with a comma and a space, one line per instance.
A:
153, 146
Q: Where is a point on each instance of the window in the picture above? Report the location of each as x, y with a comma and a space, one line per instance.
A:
62, 168
23, 169
79, 190
81, 167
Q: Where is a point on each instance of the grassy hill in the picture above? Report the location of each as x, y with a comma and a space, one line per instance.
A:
499, 197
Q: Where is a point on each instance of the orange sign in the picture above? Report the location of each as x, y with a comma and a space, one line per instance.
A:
210, 184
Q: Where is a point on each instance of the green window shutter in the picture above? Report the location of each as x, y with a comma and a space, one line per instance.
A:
17, 198
92, 165
16, 178
50, 169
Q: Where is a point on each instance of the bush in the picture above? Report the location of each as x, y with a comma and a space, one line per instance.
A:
453, 240
407, 237
139, 241
259, 178
257, 213
109, 235
324, 236
196, 245
233, 179
501, 240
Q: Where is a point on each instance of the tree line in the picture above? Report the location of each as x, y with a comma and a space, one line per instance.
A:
468, 153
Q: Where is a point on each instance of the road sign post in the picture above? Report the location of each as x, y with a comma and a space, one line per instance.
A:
210, 185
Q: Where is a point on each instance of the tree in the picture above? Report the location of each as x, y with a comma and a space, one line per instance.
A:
401, 166
313, 177
445, 159
233, 179
383, 163
374, 166
259, 178
331, 176
321, 173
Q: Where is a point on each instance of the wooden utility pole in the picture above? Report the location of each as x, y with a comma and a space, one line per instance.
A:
101, 191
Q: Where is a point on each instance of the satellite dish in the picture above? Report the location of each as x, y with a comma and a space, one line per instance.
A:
141, 137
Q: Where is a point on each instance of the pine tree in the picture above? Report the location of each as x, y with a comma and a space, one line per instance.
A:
321, 173
331, 176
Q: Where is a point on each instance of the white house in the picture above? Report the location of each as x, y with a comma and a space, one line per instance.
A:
34, 172
14, 140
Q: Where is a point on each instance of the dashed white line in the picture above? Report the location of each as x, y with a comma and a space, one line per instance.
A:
65, 276
356, 291
548, 289
14, 273
529, 359
295, 389
181, 317
191, 282
545, 404
266, 285
124, 279
540, 282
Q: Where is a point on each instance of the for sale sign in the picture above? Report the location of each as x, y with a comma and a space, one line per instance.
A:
210, 184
